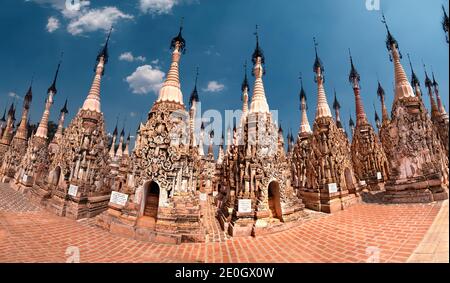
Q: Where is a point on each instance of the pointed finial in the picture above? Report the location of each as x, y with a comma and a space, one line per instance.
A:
245, 82
317, 62
179, 39
435, 84
428, 82
258, 52
336, 104
414, 79
390, 40
104, 51
52, 88
380, 90
377, 118
194, 94
354, 77
64, 109
115, 129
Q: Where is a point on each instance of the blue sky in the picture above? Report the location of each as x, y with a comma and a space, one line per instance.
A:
219, 36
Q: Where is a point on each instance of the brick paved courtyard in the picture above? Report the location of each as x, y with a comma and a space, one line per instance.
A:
365, 232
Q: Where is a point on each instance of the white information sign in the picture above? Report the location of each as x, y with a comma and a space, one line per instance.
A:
118, 198
332, 188
245, 205
25, 178
362, 183
203, 196
73, 190
379, 177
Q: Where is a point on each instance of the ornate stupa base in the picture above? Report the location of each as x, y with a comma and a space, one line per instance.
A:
327, 202
180, 222
415, 191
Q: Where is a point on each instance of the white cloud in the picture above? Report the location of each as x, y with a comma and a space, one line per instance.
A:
14, 95
145, 79
52, 24
158, 7
96, 19
155, 62
214, 86
128, 56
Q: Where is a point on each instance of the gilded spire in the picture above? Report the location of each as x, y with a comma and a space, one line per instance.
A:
322, 109
171, 91
305, 128
92, 102
402, 86
259, 102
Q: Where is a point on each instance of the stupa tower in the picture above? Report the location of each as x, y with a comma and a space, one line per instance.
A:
8, 132
302, 148
59, 131
163, 203
410, 142
368, 158
2, 123
260, 196
79, 181
19, 142
332, 184
441, 118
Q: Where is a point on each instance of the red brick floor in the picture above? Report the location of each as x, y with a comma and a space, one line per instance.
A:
364, 232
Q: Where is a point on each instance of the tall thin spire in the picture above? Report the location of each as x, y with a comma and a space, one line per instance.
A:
381, 95
63, 112
429, 86
245, 88
402, 86
42, 130
441, 107
305, 128
337, 108
259, 102
354, 79
22, 131
52, 88
92, 102
194, 94
322, 109
171, 89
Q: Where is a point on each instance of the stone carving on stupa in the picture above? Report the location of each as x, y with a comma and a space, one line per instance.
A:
259, 198
164, 203
19, 142
411, 143
331, 183
369, 160
79, 180
34, 163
